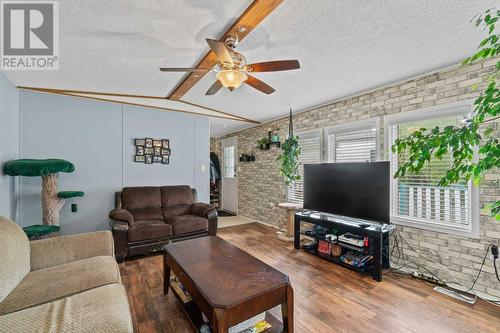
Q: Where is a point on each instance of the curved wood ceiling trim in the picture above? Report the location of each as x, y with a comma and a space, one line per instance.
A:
63, 93
69, 91
78, 93
214, 110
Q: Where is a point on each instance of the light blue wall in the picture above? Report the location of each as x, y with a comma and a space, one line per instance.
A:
98, 138
9, 145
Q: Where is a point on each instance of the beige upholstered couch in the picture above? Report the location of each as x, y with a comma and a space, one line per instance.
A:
63, 284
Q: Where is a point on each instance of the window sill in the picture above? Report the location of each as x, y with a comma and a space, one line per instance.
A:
468, 231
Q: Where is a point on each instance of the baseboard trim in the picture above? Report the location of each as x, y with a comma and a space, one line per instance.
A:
264, 223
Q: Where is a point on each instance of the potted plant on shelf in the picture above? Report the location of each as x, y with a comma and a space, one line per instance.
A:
263, 143
275, 137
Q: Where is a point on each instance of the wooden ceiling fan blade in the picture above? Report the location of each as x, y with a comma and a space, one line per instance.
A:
177, 69
274, 66
220, 51
259, 85
214, 88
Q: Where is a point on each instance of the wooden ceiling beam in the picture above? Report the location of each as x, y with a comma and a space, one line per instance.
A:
251, 18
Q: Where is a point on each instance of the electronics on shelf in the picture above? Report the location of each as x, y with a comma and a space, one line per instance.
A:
351, 239
359, 244
355, 258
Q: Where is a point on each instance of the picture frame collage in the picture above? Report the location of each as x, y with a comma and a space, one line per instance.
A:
150, 151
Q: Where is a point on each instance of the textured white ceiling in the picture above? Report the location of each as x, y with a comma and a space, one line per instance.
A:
344, 47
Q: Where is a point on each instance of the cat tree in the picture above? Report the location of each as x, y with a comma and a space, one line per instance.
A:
48, 169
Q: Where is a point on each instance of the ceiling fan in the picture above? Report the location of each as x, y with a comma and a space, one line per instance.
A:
233, 69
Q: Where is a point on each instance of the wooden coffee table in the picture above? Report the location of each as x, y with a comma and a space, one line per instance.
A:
227, 284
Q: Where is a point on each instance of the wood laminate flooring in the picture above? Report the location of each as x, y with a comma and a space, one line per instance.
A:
328, 297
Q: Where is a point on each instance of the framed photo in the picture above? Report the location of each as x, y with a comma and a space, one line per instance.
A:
139, 158
139, 142
149, 150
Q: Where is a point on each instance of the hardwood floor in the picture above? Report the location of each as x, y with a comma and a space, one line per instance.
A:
328, 298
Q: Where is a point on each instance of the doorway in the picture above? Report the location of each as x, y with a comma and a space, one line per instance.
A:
229, 175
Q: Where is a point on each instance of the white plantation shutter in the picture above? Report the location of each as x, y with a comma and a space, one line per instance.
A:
417, 197
359, 145
310, 144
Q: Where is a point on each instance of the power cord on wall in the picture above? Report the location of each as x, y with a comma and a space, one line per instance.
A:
433, 278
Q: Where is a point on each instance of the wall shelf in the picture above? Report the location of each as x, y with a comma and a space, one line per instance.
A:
269, 145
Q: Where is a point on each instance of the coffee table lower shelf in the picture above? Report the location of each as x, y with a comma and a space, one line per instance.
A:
195, 317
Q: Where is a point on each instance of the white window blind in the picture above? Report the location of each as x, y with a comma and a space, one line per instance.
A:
417, 197
359, 145
310, 144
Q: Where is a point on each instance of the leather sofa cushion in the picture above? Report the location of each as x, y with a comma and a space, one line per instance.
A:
53, 283
176, 195
187, 223
146, 213
102, 309
177, 210
149, 229
141, 197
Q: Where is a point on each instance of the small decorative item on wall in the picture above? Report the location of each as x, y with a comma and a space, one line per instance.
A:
149, 151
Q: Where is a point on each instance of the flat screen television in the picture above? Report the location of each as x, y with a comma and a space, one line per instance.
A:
360, 190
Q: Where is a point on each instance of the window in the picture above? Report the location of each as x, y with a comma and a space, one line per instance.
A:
355, 142
310, 144
229, 162
416, 199
352, 142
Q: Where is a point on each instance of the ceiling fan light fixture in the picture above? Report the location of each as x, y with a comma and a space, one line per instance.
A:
231, 79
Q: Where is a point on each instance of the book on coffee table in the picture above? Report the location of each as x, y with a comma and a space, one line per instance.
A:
179, 289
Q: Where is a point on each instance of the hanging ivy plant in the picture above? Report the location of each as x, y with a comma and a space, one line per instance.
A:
289, 158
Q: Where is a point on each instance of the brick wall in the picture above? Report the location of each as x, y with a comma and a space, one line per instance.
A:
261, 188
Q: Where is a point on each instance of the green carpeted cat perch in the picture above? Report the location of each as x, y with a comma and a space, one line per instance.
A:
52, 201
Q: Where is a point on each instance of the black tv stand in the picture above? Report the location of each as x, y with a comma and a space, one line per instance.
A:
377, 233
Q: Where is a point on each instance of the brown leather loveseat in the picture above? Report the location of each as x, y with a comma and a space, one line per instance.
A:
148, 217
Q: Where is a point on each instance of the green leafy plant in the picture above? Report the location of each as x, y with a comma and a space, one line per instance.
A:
461, 142
289, 158
262, 142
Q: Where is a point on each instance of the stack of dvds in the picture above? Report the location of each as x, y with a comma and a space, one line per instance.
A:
355, 258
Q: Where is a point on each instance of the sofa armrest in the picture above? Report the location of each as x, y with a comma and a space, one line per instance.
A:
212, 217
208, 211
121, 214
120, 237
60, 250
200, 209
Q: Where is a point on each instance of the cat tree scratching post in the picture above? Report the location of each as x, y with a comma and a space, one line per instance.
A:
52, 201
